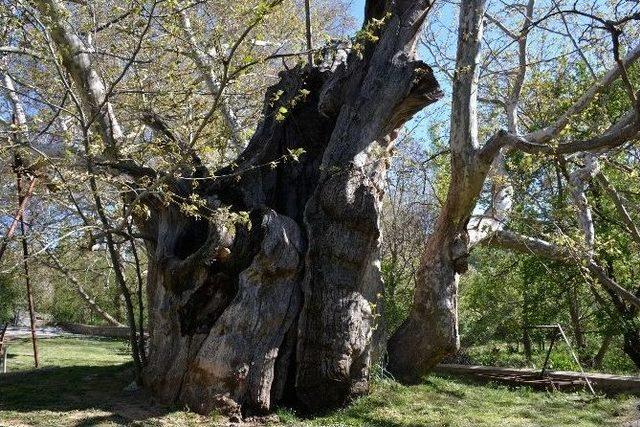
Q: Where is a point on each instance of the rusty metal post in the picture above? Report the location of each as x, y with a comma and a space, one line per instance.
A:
16, 218
3, 354
3, 348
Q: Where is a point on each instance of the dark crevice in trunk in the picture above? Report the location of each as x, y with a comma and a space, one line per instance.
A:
192, 238
207, 304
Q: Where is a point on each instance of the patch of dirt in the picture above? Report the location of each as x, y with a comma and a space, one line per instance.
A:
634, 416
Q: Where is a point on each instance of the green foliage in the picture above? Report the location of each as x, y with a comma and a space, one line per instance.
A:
511, 355
9, 298
66, 306
397, 297
369, 34
504, 293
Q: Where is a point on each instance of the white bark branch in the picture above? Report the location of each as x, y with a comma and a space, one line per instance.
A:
493, 219
78, 63
464, 114
203, 63
578, 182
19, 115
620, 207
624, 130
550, 132
19, 51
514, 97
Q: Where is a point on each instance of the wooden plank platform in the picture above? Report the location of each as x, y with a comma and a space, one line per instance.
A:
605, 383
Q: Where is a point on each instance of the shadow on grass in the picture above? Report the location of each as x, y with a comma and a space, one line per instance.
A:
79, 388
97, 420
355, 412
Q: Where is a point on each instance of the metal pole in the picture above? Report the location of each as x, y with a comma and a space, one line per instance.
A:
546, 359
577, 360
307, 10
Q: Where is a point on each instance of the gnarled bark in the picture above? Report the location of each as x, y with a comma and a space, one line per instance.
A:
285, 307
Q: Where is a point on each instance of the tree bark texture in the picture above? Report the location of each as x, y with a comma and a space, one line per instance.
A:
284, 306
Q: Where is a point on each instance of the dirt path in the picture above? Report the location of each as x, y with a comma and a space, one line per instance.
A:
16, 332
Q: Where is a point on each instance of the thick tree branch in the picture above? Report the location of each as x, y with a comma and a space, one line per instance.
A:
129, 167
578, 182
624, 130
516, 91
374, 9
464, 114
534, 246
79, 64
494, 217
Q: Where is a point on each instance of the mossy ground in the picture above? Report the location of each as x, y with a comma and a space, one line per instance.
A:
83, 382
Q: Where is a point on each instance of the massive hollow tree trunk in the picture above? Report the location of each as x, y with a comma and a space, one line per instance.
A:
284, 306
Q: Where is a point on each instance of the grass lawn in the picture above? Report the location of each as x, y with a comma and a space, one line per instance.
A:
83, 383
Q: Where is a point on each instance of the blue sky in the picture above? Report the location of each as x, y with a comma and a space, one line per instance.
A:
357, 10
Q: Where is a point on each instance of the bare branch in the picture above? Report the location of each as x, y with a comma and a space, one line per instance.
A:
19, 51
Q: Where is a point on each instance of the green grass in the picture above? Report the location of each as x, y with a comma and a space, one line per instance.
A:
447, 402
63, 352
83, 383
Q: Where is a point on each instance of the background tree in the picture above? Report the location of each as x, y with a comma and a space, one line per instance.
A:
431, 330
9, 297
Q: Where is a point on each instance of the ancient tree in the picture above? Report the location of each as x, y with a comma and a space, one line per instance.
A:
248, 310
